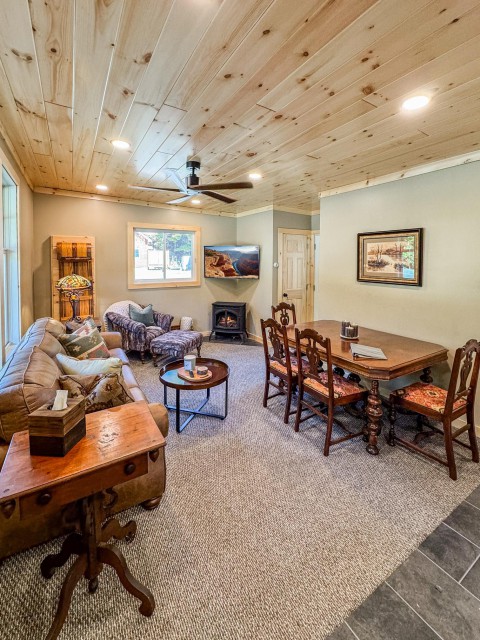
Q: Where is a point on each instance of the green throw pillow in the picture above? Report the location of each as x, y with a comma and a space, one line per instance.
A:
85, 342
73, 366
145, 316
100, 391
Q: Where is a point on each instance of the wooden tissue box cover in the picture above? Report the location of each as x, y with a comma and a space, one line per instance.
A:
54, 433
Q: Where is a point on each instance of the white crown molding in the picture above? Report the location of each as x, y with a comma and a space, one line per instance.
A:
454, 161
141, 203
251, 212
51, 191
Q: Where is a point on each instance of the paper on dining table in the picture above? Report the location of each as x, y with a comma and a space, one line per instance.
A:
60, 401
362, 351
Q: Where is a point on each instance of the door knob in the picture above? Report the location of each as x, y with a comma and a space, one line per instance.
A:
285, 295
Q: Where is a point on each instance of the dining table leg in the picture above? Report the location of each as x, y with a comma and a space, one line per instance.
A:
374, 413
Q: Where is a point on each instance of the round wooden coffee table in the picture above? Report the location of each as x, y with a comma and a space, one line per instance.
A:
170, 379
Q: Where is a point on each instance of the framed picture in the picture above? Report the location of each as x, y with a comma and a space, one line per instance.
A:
390, 257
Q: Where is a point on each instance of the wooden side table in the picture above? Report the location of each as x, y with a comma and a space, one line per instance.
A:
121, 443
169, 378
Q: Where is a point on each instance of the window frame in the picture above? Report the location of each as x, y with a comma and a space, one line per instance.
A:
164, 284
5, 347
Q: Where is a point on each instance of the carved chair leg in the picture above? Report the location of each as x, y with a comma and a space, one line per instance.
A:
265, 393
198, 351
288, 402
108, 554
447, 431
154, 358
299, 408
471, 434
71, 545
328, 435
142, 357
74, 574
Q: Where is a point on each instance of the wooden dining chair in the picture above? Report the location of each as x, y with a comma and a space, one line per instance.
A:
279, 363
443, 405
327, 387
287, 313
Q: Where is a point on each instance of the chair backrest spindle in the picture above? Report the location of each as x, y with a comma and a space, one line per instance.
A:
287, 313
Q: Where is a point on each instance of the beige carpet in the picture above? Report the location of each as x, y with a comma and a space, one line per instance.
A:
258, 535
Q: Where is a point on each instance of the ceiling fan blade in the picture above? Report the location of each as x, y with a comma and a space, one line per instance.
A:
179, 200
132, 186
217, 196
225, 185
175, 177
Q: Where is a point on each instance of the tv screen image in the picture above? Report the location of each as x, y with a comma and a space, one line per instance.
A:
232, 262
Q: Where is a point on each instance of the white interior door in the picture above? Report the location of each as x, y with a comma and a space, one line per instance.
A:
295, 273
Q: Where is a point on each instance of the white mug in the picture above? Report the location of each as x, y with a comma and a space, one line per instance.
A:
189, 363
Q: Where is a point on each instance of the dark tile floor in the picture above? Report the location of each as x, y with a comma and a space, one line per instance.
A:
434, 594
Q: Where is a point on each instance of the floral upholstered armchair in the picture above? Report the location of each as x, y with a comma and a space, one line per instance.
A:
136, 336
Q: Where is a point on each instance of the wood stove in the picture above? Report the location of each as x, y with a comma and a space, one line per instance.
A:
229, 318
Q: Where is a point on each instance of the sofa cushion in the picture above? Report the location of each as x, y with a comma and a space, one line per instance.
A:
120, 354
145, 316
28, 380
72, 366
85, 342
100, 391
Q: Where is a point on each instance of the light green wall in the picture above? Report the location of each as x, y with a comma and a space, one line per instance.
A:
446, 309
107, 221
257, 229
25, 229
285, 220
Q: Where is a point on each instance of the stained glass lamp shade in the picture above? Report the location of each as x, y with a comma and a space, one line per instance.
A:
72, 286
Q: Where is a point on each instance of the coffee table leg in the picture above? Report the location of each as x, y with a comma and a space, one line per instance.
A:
165, 394
226, 397
177, 410
374, 413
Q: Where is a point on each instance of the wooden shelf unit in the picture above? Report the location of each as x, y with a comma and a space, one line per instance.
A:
65, 261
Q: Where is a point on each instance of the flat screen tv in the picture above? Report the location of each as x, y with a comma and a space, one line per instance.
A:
232, 262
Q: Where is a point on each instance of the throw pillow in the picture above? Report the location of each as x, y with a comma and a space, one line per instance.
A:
85, 342
73, 366
145, 316
100, 391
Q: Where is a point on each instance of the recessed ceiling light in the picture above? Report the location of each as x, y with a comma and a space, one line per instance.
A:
102, 187
196, 201
120, 144
416, 102
255, 176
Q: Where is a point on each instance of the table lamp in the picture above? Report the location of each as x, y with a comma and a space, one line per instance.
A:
72, 286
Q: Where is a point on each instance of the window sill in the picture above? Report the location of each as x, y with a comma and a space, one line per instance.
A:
163, 285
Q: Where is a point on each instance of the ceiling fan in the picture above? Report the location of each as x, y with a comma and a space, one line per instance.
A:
192, 187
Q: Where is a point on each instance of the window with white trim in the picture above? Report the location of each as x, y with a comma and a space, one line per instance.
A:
10, 276
163, 256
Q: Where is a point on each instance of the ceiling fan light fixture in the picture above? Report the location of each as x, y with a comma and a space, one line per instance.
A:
121, 144
101, 187
196, 201
255, 176
415, 102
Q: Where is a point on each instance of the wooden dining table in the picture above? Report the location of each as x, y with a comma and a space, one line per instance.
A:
404, 356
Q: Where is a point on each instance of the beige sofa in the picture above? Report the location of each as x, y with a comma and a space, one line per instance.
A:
30, 379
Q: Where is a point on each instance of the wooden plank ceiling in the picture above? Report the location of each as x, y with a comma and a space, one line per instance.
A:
306, 93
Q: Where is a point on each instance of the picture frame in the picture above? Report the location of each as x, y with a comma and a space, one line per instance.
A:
391, 257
